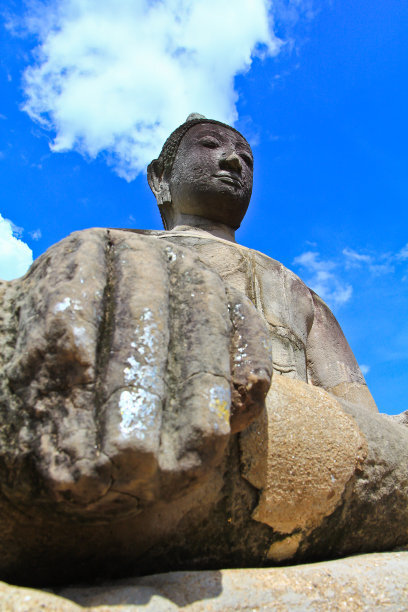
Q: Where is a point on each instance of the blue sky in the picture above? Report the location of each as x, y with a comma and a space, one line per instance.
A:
320, 89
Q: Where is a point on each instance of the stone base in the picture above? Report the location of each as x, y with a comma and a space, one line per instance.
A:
377, 581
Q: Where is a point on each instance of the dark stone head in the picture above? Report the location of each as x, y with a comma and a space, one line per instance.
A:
204, 169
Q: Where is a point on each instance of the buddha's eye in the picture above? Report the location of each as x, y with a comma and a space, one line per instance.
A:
247, 159
209, 142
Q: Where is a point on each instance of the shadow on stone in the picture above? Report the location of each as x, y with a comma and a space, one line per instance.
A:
181, 588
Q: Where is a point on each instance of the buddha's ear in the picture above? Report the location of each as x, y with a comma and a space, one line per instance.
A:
158, 183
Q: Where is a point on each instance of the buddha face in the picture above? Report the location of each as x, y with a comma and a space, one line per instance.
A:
212, 175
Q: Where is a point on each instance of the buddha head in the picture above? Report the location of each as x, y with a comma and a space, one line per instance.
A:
204, 170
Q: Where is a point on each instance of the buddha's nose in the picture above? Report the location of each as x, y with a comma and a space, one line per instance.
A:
231, 162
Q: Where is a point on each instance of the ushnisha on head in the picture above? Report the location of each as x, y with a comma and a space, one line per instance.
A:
203, 175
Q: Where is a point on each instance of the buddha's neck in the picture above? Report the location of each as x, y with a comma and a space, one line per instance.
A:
192, 222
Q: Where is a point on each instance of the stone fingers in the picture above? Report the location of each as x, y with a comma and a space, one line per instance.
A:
251, 361
133, 370
129, 354
51, 373
196, 415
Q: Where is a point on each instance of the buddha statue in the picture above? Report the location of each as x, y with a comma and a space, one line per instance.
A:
202, 181
173, 400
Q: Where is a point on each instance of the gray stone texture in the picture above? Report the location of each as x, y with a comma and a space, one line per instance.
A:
133, 379
332, 475
360, 583
125, 363
307, 341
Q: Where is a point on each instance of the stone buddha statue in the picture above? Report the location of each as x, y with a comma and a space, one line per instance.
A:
202, 181
173, 400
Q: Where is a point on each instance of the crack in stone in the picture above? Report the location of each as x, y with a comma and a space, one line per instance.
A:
105, 336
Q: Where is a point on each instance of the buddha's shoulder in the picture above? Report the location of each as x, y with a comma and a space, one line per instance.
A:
226, 252
233, 259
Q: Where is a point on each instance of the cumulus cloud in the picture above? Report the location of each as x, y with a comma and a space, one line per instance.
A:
15, 255
321, 277
116, 76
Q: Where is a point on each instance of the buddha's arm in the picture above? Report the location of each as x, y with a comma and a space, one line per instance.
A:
330, 361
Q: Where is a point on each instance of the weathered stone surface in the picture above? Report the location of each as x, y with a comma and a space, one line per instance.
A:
307, 341
366, 582
322, 478
119, 356
333, 476
313, 478
18, 599
401, 418
374, 511
301, 454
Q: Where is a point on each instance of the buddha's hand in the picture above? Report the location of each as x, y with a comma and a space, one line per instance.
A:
127, 364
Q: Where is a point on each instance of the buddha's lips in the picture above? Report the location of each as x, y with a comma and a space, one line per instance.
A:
226, 177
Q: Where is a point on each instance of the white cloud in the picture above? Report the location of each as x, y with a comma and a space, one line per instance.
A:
403, 253
15, 255
331, 278
322, 279
377, 264
36, 234
354, 258
382, 268
117, 76
17, 231
340, 292
365, 369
